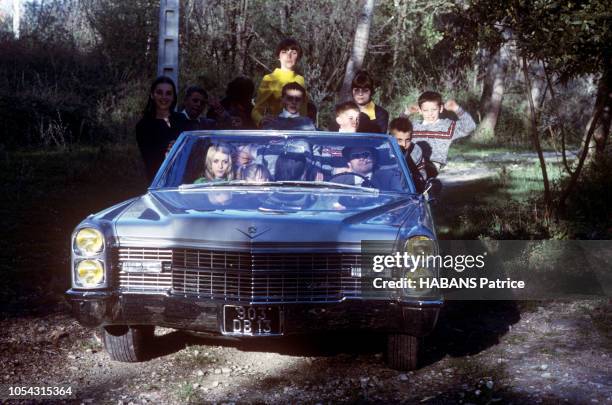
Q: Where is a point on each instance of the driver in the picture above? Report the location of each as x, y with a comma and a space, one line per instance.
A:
362, 170
361, 161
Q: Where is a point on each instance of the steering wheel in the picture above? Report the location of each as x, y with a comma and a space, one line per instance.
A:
366, 182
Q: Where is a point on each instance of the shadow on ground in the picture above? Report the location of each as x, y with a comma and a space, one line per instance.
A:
464, 328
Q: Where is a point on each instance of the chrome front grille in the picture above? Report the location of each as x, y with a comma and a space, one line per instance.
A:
245, 276
143, 281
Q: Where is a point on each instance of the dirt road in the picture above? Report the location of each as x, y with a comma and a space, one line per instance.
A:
499, 352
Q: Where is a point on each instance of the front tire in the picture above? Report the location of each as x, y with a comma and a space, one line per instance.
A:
128, 344
402, 352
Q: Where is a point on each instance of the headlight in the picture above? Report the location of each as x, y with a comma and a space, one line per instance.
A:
425, 248
88, 242
420, 245
89, 273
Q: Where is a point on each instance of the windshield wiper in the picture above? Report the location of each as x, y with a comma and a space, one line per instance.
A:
323, 184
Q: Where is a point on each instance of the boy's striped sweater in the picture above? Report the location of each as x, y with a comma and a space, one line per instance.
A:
435, 139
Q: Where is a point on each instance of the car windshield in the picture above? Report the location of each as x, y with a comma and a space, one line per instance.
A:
356, 162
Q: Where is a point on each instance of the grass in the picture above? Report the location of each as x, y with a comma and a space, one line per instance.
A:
186, 393
507, 204
188, 359
478, 373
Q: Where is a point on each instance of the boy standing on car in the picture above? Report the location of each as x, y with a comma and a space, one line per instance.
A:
347, 116
434, 134
372, 118
289, 118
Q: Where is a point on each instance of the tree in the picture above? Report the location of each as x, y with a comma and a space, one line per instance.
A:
360, 46
571, 39
123, 33
493, 90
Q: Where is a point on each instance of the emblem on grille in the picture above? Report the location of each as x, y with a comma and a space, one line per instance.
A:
252, 232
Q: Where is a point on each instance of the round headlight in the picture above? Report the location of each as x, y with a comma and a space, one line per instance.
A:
420, 245
424, 247
89, 241
90, 273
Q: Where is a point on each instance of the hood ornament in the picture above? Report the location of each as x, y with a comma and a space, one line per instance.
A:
252, 232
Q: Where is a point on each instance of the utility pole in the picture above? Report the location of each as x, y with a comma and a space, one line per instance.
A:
16, 17
168, 44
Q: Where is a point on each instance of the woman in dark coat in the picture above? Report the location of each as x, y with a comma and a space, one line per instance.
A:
160, 125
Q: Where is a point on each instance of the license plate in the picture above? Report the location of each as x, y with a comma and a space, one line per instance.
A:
252, 320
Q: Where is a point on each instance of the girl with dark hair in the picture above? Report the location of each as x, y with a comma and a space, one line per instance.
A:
290, 166
160, 125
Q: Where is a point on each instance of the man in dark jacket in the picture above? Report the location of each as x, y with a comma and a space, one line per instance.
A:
363, 170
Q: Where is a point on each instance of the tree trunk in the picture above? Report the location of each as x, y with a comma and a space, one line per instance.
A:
493, 93
535, 136
401, 9
603, 101
360, 46
16, 17
593, 123
538, 85
241, 35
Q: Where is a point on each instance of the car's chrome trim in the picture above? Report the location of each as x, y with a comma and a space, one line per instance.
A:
241, 246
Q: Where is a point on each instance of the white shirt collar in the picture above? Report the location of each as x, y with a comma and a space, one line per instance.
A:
287, 114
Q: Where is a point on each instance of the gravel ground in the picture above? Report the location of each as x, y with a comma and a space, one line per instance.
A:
481, 353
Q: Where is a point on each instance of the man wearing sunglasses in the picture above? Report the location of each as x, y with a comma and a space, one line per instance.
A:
362, 170
292, 98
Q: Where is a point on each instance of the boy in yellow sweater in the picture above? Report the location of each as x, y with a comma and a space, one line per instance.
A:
268, 101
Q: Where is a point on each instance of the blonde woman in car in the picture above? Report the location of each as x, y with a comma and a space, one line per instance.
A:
218, 164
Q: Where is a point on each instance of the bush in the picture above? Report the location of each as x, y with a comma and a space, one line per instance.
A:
53, 95
588, 207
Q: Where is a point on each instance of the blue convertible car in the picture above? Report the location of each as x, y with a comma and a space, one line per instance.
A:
258, 234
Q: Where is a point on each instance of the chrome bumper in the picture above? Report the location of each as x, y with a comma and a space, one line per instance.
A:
417, 317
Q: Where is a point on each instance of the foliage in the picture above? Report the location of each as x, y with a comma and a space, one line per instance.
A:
224, 39
126, 35
588, 207
67, 80
572, 38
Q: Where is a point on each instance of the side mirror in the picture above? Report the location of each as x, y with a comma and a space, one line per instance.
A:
428, 186
432, 190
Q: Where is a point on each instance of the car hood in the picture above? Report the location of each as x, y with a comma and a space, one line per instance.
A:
230, 216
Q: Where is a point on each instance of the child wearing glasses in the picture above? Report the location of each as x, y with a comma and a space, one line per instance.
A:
372, 118
376, 118
290, 118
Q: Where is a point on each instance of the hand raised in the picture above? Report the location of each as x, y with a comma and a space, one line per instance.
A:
451, 105
412, 109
